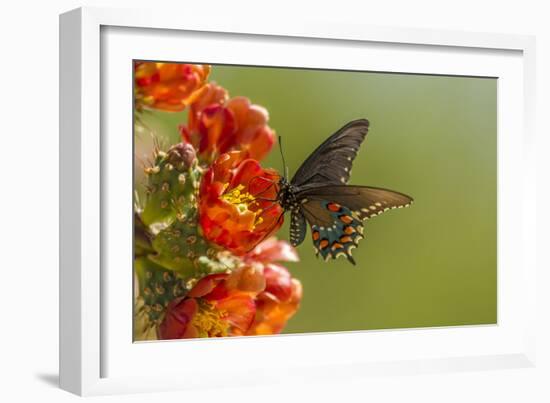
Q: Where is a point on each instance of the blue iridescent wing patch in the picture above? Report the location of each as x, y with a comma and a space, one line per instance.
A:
341, 236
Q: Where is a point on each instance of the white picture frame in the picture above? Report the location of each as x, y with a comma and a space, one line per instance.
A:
96, 353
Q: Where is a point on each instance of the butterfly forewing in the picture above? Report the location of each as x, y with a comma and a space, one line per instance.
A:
365, 201
331, 162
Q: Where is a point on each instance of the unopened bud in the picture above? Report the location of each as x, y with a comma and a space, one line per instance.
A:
182, 154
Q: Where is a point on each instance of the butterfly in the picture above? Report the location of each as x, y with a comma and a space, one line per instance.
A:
318, 195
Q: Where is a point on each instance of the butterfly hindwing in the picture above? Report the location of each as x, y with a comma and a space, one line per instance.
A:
331, 162
336, 231
336, 214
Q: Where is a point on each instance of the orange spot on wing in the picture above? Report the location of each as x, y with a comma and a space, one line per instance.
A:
345, 239
315, 235
323, 244
337, 245
349, 230
334, 207
346, 219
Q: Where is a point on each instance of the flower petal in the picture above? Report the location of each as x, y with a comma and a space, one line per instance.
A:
272, 250
271, 315
247, 279
278, 282
168, 86
240, 310
216, 125
206, 285
209, 94
179, 314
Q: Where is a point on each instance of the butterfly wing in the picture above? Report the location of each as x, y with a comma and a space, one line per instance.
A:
364, 201
336, 214
331, 162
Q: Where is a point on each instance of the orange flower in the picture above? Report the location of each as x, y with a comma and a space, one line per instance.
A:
258, 298
282, 294
272, 312
218, 305
217, 125
271, 250
168, 86
210, 94
236, 204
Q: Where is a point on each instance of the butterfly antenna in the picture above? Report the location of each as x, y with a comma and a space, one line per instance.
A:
285, 168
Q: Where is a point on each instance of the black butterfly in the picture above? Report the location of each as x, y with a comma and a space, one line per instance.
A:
319, 195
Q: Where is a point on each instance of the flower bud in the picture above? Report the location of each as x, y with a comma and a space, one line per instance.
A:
182, 156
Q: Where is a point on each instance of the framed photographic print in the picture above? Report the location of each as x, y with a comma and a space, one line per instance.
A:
220, 191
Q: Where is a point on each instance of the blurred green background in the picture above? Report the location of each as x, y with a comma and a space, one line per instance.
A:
432, 137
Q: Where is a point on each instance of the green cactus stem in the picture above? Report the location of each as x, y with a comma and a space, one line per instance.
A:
172, 184
156, 287
142, 238
181, 247
170, 253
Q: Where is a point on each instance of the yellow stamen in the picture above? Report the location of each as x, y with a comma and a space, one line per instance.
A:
237, 196
209, 321
243, 201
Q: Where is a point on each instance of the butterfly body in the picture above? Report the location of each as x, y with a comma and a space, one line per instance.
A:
318, 194
287, 195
